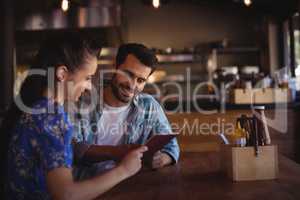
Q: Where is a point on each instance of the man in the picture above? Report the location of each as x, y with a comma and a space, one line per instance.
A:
126, 116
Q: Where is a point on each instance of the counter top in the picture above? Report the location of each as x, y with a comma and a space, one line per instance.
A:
198, 176
210, 105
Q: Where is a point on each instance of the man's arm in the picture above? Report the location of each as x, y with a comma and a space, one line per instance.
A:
170, 152
62, 187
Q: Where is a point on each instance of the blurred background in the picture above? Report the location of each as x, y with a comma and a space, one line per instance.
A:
238, 47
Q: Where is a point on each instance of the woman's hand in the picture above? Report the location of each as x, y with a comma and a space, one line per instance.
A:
132, 162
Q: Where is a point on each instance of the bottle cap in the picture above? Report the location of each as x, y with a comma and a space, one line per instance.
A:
259, 107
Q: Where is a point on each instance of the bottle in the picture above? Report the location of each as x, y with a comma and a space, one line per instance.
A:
263, 131
240, 135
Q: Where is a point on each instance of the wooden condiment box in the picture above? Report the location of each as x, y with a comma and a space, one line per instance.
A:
242, 96
241, 164
260, 96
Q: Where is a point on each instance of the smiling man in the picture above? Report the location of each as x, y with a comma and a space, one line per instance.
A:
126, 117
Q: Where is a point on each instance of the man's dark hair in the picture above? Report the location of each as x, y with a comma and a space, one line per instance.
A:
141, 52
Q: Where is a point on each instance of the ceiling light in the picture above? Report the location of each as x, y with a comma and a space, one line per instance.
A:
247, 2
65, 5
156, 3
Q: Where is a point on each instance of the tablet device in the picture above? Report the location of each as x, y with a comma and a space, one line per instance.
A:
157, 142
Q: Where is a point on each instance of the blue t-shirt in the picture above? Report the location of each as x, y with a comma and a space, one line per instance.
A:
39, 143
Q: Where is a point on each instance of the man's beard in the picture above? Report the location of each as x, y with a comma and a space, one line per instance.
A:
116, 90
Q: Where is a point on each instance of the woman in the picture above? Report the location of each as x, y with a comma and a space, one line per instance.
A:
40, 157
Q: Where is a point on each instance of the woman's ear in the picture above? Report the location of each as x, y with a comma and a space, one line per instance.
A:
61, 73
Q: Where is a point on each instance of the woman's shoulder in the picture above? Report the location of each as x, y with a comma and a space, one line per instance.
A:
47, 116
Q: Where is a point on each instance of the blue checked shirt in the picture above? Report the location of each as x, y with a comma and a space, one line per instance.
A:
146, 118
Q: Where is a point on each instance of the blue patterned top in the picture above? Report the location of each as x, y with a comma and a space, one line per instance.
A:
40, 143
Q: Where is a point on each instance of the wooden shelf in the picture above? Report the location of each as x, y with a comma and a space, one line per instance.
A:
238, 50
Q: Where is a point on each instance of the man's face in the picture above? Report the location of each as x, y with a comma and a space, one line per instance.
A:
130, 79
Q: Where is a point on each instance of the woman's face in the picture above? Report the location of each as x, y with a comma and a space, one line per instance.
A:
81, 79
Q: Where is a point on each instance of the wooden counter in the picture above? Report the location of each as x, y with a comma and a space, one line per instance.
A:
197, 176
198, 131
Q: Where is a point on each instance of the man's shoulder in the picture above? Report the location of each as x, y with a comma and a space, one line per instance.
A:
144, 99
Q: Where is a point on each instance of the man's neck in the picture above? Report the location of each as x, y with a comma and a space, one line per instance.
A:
110, 99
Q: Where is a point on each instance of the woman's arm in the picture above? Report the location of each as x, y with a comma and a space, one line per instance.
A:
62, 187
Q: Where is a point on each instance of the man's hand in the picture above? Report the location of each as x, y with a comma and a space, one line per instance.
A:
160, 160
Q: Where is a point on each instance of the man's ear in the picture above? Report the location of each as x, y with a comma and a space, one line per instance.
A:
61, 73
